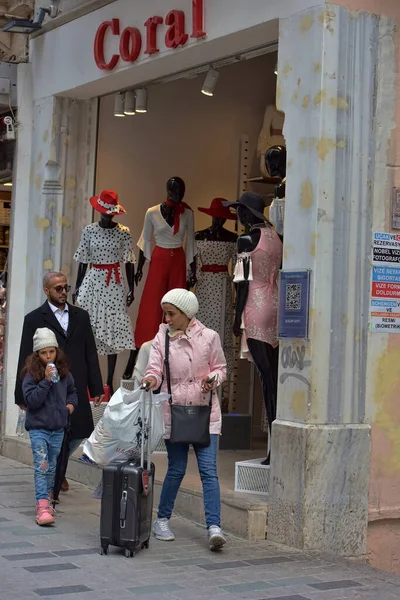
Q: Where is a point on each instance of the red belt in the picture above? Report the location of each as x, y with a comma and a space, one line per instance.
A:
110, 268
215, 268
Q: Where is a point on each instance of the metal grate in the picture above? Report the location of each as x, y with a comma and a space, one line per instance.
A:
251, 477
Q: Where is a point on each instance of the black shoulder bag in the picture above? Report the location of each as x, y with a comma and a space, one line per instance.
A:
189, 424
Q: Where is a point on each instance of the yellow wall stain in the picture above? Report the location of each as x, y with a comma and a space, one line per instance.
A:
42, 223
39, 158
72, 203
52, 204
278, 97
325, 146
307, 195
66, 270
306, 23
64, 221
345, 319
342, 144
295, 97
286, 69
340, 103
70, 184
38, 182
386, 395
303, 143
48, 265
317, 67
46, 135
318, 98
313, 244
299, 403
306, 101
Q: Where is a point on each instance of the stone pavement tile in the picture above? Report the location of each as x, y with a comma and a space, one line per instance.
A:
60, 591
272, 560
155, 589
295, 597
77, 552
51, 567
216, 566
295, 581
19, 544
255, 586
29, 556
335, 585
186, 562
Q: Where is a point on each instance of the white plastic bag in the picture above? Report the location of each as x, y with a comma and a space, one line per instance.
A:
119, 432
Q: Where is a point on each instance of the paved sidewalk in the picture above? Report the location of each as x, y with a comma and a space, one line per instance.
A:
63, 562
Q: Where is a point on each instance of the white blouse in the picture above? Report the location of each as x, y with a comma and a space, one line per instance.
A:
154, 223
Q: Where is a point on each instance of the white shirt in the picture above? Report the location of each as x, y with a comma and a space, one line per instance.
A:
154, 223
62, 316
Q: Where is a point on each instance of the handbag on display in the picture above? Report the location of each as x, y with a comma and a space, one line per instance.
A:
189, 424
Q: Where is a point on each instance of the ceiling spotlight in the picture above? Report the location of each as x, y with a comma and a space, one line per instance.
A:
276, 69
141, 100
129, 107
119, 105
8, 184
210, 82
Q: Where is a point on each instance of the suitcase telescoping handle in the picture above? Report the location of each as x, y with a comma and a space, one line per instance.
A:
146, 398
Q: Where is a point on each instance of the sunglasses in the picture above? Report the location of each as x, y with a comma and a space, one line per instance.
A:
60, 288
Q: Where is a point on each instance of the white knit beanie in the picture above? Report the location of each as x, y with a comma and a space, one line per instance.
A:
44, 338
182, 299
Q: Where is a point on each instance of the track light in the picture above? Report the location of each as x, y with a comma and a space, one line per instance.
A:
129, 105
210, 82
141, 100
119, 105
276, 69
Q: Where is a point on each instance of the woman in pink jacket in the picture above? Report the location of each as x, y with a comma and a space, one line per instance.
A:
197, 367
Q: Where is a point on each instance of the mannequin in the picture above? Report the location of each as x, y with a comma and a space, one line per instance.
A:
172, 224
275, 163
216, 250
100, 290
259, 261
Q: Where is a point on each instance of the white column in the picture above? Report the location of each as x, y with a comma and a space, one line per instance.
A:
328, 62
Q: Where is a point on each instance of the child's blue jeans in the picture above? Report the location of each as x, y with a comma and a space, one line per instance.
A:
46, 446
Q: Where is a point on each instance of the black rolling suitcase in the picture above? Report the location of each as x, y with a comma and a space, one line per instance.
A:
127, 499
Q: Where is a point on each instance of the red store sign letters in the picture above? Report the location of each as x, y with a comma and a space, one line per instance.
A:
131, 39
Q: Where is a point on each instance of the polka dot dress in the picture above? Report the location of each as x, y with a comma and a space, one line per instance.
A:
211, 289
106, 304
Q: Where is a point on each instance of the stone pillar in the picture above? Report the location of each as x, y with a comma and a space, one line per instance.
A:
328, 63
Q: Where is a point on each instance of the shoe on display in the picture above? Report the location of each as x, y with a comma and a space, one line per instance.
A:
216, 538
162, 531
44, 515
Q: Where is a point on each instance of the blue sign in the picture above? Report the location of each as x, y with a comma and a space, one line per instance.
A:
389, 274
294, 304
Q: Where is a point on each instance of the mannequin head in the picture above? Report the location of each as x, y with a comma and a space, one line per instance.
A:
218, 222
175, 189
247, 201
275, 161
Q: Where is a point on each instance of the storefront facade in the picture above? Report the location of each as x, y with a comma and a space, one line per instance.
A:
336, 86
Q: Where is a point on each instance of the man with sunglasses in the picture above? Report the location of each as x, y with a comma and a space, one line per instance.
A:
74, 334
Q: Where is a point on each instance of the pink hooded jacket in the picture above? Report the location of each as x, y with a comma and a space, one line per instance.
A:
192, 356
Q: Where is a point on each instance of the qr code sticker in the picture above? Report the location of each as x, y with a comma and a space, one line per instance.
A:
293, 296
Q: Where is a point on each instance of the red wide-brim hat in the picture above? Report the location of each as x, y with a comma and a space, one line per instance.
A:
107, 203
218, 210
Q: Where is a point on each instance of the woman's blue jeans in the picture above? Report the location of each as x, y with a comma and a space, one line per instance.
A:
46, 446
177, 463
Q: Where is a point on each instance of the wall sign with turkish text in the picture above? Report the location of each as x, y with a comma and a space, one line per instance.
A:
131, 38
385, 288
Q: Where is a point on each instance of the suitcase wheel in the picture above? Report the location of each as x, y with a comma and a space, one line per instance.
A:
146, 544
104, 550
129, 553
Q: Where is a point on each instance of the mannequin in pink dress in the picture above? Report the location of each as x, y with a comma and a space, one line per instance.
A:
256, 278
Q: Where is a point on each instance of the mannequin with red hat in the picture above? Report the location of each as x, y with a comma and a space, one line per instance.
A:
172, 262
256, 278
216, 250
101, 291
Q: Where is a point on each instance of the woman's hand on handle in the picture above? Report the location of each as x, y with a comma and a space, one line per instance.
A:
149, 383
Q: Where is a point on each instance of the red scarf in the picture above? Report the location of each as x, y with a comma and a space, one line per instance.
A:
180, 208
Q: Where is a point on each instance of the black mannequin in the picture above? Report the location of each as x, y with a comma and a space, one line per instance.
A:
175, 193
106, 222
216, 233
265, 357
275, 163
176, 189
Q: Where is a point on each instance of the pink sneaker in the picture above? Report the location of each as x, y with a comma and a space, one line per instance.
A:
44, 514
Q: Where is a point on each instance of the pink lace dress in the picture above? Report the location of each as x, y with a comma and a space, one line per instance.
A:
259, 319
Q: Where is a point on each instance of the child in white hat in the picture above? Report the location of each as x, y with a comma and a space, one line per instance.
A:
49, 404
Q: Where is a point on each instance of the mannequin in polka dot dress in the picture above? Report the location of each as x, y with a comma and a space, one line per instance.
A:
101, 290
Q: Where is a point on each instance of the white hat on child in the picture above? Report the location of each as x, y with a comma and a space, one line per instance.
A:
44, 338
184, 300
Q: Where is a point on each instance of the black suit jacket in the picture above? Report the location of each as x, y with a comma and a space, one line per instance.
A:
80, 348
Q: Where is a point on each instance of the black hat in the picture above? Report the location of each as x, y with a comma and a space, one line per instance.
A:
253, 202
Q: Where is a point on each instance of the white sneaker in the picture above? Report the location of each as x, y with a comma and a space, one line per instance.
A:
216, 538
162, 531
